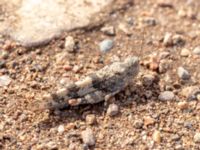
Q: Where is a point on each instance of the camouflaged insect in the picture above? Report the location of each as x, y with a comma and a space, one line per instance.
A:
97, 87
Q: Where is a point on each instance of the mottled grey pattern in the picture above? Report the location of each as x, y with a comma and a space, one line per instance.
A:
96, 87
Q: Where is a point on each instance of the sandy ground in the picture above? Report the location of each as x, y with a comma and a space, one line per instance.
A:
144, 120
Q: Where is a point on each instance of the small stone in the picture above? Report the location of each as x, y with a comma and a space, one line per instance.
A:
106, 45
61, 129
183, 73
198, 97
163, 66
166, 96
167, 41
182, 13
197, 137
113, 110
51, 145
124, 28
4, 80
175, 137
196, 50
190, 92
4, 54
90, 119
138, 124
148, 121
149, 21
183, 105
156, 136
179, 147
148, 79
2, 64
148, 93
178, 40
77, 68
188, 125
109, 30
88, 137
69, 44
61, 92
185, 52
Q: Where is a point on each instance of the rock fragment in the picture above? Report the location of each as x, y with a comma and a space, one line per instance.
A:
183, 105
4, 80
113, 110
88, 137
196, 50
190, 92
197, 137
185, 52
167, 41
90, 119
106, 45
166, 96
156, 136
69, 44
108, 30
183, 73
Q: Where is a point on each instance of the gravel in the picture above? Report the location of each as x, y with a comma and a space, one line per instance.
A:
90, 119
4, 80
106, 45
185, 52
166, 96
183, 73
69, 44
197, 137
113, 110
196, 50
108, 30
88, 137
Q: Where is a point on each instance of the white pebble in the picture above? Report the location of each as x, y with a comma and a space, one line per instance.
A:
106, 45
183, 73
166, 96
88, 137
113, 110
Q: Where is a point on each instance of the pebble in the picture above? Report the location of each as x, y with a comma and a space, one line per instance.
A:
124, 28
4, 54
163, 66
106, 45
113, 110
167, 41
175, 137
69, 44
4, 80
148, 120
166, 96
190, 92
108, 30
197, 137
88, 137
185, 52
148, 79
61, 129
196, 50
183, 105
178, 40
90, 119
183, 73
138, 124
156, 136
2, 64
149, 21
198, 97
